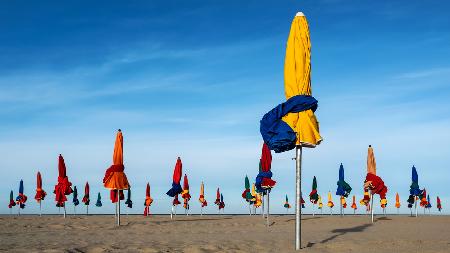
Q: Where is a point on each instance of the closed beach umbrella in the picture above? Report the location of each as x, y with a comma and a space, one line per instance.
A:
99, 200
343, 189
128, 202
374, 183
13, 203
428, 202
293, 124
302, 202
320, 204
115, 179
330, 203
202, 199
438, 203
75, 200
414, 189
222, 203
423, 198
354, 206
397, 202
217, 202
313, 196
86, 200
40, 193
21, 198
176, 187
63, 187
185, 194
286, 204
247, 194
264, 180
148, 200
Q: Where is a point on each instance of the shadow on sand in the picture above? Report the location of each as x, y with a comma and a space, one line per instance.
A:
341, 231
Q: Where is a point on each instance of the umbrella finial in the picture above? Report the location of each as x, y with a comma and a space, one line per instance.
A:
119, 130
370, 146
299, 14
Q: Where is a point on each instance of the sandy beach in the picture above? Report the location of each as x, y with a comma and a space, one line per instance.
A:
226, 233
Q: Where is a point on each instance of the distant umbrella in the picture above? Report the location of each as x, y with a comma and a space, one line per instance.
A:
175, 201
63, 187
247, 194
354, 206
343, 188
313, 196
185, 194
21, 198
13, 203
40, 193
397, 201
330, 203
264, 180
86, 199
217, 202
222, 203
148, 200
320, 204
286, 203
75, 196
423, 198
438, 203
302, 202
176, 187
201, 198
128, 202
99, 200
428, 200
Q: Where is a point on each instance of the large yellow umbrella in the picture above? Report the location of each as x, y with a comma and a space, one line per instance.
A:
297, 81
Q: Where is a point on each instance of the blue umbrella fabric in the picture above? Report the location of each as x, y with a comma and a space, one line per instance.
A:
343, 188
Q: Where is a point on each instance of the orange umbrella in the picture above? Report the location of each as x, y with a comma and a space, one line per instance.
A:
202, 199
115, 179
40, 193
397, 201
148, 201
354, 204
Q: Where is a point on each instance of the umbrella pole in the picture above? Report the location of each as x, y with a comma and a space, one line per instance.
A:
262, 204
415, 205
118, 210
371, 206
65, 210
268, 210
313, 211
249, 208
87, 210
18, 209
171, 213
40, 209
201, 211
298, 207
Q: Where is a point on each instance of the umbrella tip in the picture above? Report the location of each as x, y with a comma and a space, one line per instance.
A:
299, 14
119, 130
370, 146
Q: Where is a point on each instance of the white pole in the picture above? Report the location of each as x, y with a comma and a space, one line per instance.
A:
298, 205
87, 210
64, 210
371, 205
268, 209
340, 205
40, 208
415, 205
171, 213
118, 208
314, 211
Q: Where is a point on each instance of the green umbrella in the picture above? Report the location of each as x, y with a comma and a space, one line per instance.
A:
99, 200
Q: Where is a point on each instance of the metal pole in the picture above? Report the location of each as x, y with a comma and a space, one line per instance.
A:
314, 211
40, 208
415, 204
201, 211
64, 210
262, 200
118, 209
87, 210
268, 210
171, 213
298, 207
371, 205
340, 205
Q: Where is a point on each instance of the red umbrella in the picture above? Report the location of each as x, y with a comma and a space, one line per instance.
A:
148, 201
175, 201
176, 187
40, 194
86, 199
63, 187
438, 204
217, 202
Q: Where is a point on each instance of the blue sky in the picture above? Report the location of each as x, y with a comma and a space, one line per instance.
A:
193, 79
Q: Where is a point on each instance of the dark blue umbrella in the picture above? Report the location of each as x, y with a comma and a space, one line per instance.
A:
21, 199
343, 188
75, 196
99, 200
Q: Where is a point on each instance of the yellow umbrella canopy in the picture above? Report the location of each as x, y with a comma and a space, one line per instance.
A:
297, 81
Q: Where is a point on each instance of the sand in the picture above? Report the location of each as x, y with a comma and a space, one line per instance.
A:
226, 233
